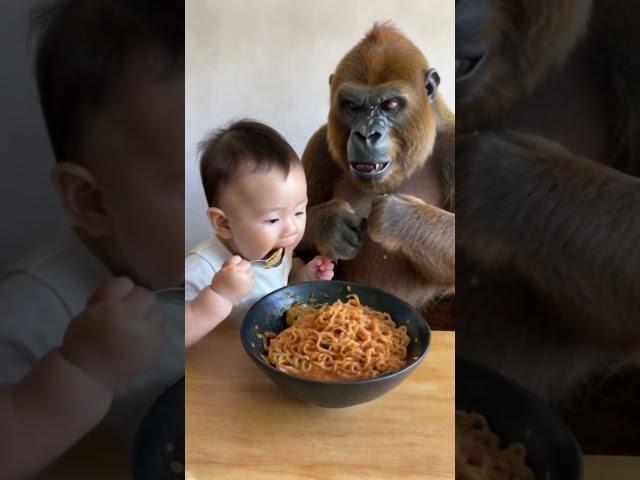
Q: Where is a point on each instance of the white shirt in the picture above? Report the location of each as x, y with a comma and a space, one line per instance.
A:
206, 259
38, 298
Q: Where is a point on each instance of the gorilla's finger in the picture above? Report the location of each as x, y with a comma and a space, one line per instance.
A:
350, 236
345, 251
354, 221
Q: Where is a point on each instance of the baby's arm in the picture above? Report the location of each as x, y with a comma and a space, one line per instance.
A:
319, 268
45, 413
214, 302
203, 314
69, 390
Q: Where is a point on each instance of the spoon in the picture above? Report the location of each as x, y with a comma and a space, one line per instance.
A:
272, 261
176, 294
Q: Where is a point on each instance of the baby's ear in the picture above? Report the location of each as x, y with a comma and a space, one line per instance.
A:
219, 222
82, 198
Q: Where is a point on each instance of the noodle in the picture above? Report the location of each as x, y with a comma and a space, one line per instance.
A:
479, 456
342, 341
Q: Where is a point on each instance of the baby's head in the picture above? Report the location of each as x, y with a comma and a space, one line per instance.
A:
255, 187
110, 76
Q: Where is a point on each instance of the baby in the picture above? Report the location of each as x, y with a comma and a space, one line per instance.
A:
257, 194
84, 346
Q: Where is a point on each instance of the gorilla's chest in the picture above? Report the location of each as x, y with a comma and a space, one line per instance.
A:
422, 184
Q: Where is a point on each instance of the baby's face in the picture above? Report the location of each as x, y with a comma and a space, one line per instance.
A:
136, 154
266, 210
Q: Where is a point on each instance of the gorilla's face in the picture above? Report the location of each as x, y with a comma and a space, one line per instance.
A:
372, 114
473, 20
504, 48
381, 132
382, 120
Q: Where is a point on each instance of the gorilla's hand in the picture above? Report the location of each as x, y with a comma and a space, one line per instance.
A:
334, 229
389, 217
424, 233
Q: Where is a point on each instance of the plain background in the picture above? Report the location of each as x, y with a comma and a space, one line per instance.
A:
29, 207
271, 59
266, 59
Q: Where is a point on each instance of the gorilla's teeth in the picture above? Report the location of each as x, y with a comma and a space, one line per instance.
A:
369, 167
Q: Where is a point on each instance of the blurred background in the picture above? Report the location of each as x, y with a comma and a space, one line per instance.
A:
30, 210
271, 59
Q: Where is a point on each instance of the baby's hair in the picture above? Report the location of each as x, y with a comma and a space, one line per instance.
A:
84, 49
241, 145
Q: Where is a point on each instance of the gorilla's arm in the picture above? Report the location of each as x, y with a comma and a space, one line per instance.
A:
422, 232
569, 224
333, 228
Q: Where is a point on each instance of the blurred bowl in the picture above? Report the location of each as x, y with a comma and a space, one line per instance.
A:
162, 425
515, 414
268, 315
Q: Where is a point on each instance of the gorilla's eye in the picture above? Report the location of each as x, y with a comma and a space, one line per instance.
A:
349, 106
390, 105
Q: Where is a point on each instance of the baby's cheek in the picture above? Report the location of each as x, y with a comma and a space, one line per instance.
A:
301, 228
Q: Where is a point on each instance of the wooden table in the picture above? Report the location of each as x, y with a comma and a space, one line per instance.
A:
611, 468
240, 425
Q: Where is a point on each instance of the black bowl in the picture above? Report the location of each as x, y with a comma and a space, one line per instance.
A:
161, 425
515, 414
268, 315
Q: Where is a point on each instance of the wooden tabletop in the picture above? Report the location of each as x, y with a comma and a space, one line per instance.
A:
600, 467
240, 425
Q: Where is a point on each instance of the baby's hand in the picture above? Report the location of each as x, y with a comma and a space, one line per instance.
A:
119, 334
234, 281
320, 268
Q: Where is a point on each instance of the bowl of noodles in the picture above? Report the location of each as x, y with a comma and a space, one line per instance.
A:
335, 344
503, 431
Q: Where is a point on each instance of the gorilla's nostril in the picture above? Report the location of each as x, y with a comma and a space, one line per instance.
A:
374, 137
360, 137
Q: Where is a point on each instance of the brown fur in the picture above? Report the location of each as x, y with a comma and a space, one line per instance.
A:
408, 248
548, 258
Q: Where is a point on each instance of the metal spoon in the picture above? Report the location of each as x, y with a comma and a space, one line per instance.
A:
273, 261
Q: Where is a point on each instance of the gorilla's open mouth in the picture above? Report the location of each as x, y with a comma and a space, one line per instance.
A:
466, 67
369, 169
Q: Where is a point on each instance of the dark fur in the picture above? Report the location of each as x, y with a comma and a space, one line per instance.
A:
548, 258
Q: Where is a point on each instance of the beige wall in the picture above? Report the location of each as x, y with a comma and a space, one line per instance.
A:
271, 59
